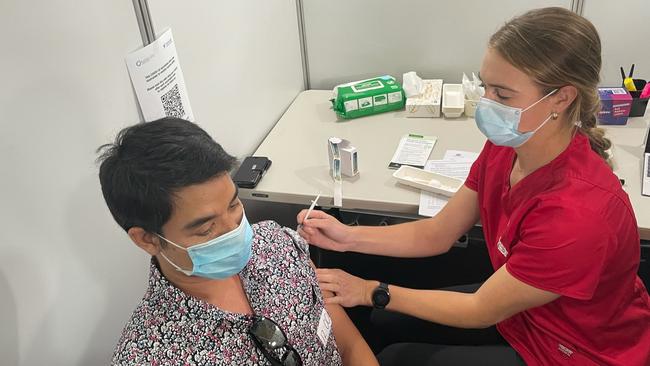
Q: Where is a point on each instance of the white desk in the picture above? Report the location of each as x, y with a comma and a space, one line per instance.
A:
297, 145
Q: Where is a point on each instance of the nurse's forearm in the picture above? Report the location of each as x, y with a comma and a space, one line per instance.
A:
450, 308
420, 238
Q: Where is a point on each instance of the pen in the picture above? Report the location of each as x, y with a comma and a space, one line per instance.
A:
646, 92
628, 82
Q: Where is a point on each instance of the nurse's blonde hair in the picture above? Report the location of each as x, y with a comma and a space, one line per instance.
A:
557, 47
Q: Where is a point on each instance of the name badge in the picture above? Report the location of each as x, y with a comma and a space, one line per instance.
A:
324, 327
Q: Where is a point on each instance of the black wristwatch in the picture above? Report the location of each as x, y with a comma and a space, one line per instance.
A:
380, 296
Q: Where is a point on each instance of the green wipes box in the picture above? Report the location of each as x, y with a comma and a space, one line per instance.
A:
366, 97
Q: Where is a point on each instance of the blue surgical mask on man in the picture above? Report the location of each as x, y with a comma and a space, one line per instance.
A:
221, 257
500, 123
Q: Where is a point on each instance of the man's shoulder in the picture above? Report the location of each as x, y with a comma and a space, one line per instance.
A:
134, 346
266, 228
269, 235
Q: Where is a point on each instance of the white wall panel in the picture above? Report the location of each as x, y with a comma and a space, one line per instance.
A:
69, 277
351, 40
624, 36
241, 62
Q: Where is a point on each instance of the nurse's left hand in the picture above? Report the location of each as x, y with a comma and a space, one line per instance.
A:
348, 290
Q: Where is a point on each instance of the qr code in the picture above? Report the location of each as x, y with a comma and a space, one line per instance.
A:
172, 103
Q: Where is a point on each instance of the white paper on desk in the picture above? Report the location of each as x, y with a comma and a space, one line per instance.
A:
460, 156
456, 164
413, 150
158, 80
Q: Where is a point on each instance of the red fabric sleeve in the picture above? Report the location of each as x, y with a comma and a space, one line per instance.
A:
474, 173
562, 249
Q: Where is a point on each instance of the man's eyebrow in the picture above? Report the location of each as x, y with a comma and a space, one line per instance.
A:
234, 197
202, 220
498, 85
198, 222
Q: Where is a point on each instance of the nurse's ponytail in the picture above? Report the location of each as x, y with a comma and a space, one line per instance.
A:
589, 107
557, 47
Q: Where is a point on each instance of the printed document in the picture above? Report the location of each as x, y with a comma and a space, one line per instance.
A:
455, 164
158, 80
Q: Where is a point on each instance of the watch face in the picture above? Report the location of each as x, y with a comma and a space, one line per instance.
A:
380, 298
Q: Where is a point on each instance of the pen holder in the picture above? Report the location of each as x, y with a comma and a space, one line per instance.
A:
639, 105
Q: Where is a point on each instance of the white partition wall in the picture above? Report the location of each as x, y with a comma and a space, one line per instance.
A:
625, 37
351, 40
69, 278
241, 62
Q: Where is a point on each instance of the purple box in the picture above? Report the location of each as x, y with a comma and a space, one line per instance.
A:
615, 105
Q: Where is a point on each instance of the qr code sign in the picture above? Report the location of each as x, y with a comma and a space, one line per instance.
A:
172, 103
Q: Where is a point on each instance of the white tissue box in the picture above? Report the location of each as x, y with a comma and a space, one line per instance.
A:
426, 104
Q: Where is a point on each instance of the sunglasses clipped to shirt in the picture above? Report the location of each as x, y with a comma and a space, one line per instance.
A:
271, 340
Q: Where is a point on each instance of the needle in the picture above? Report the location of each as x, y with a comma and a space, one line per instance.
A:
311, 208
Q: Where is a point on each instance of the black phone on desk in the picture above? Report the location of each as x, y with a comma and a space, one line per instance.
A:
251, 171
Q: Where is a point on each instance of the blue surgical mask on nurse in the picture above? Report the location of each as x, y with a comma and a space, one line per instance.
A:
500, 123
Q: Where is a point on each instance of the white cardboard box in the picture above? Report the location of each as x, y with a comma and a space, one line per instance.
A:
426, 104
453, 100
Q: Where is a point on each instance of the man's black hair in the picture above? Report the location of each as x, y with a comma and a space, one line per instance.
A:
148, 162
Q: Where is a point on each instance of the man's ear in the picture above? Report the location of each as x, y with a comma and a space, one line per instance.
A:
148, 242
564, 97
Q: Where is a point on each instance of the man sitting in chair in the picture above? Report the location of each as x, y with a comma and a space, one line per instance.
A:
221, 291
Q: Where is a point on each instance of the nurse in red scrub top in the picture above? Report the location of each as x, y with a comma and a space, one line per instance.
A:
560, 231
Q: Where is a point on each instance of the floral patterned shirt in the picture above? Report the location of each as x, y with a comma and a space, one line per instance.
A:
170, 327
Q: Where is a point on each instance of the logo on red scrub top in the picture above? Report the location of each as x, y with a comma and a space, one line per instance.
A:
502, 249
565, 350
